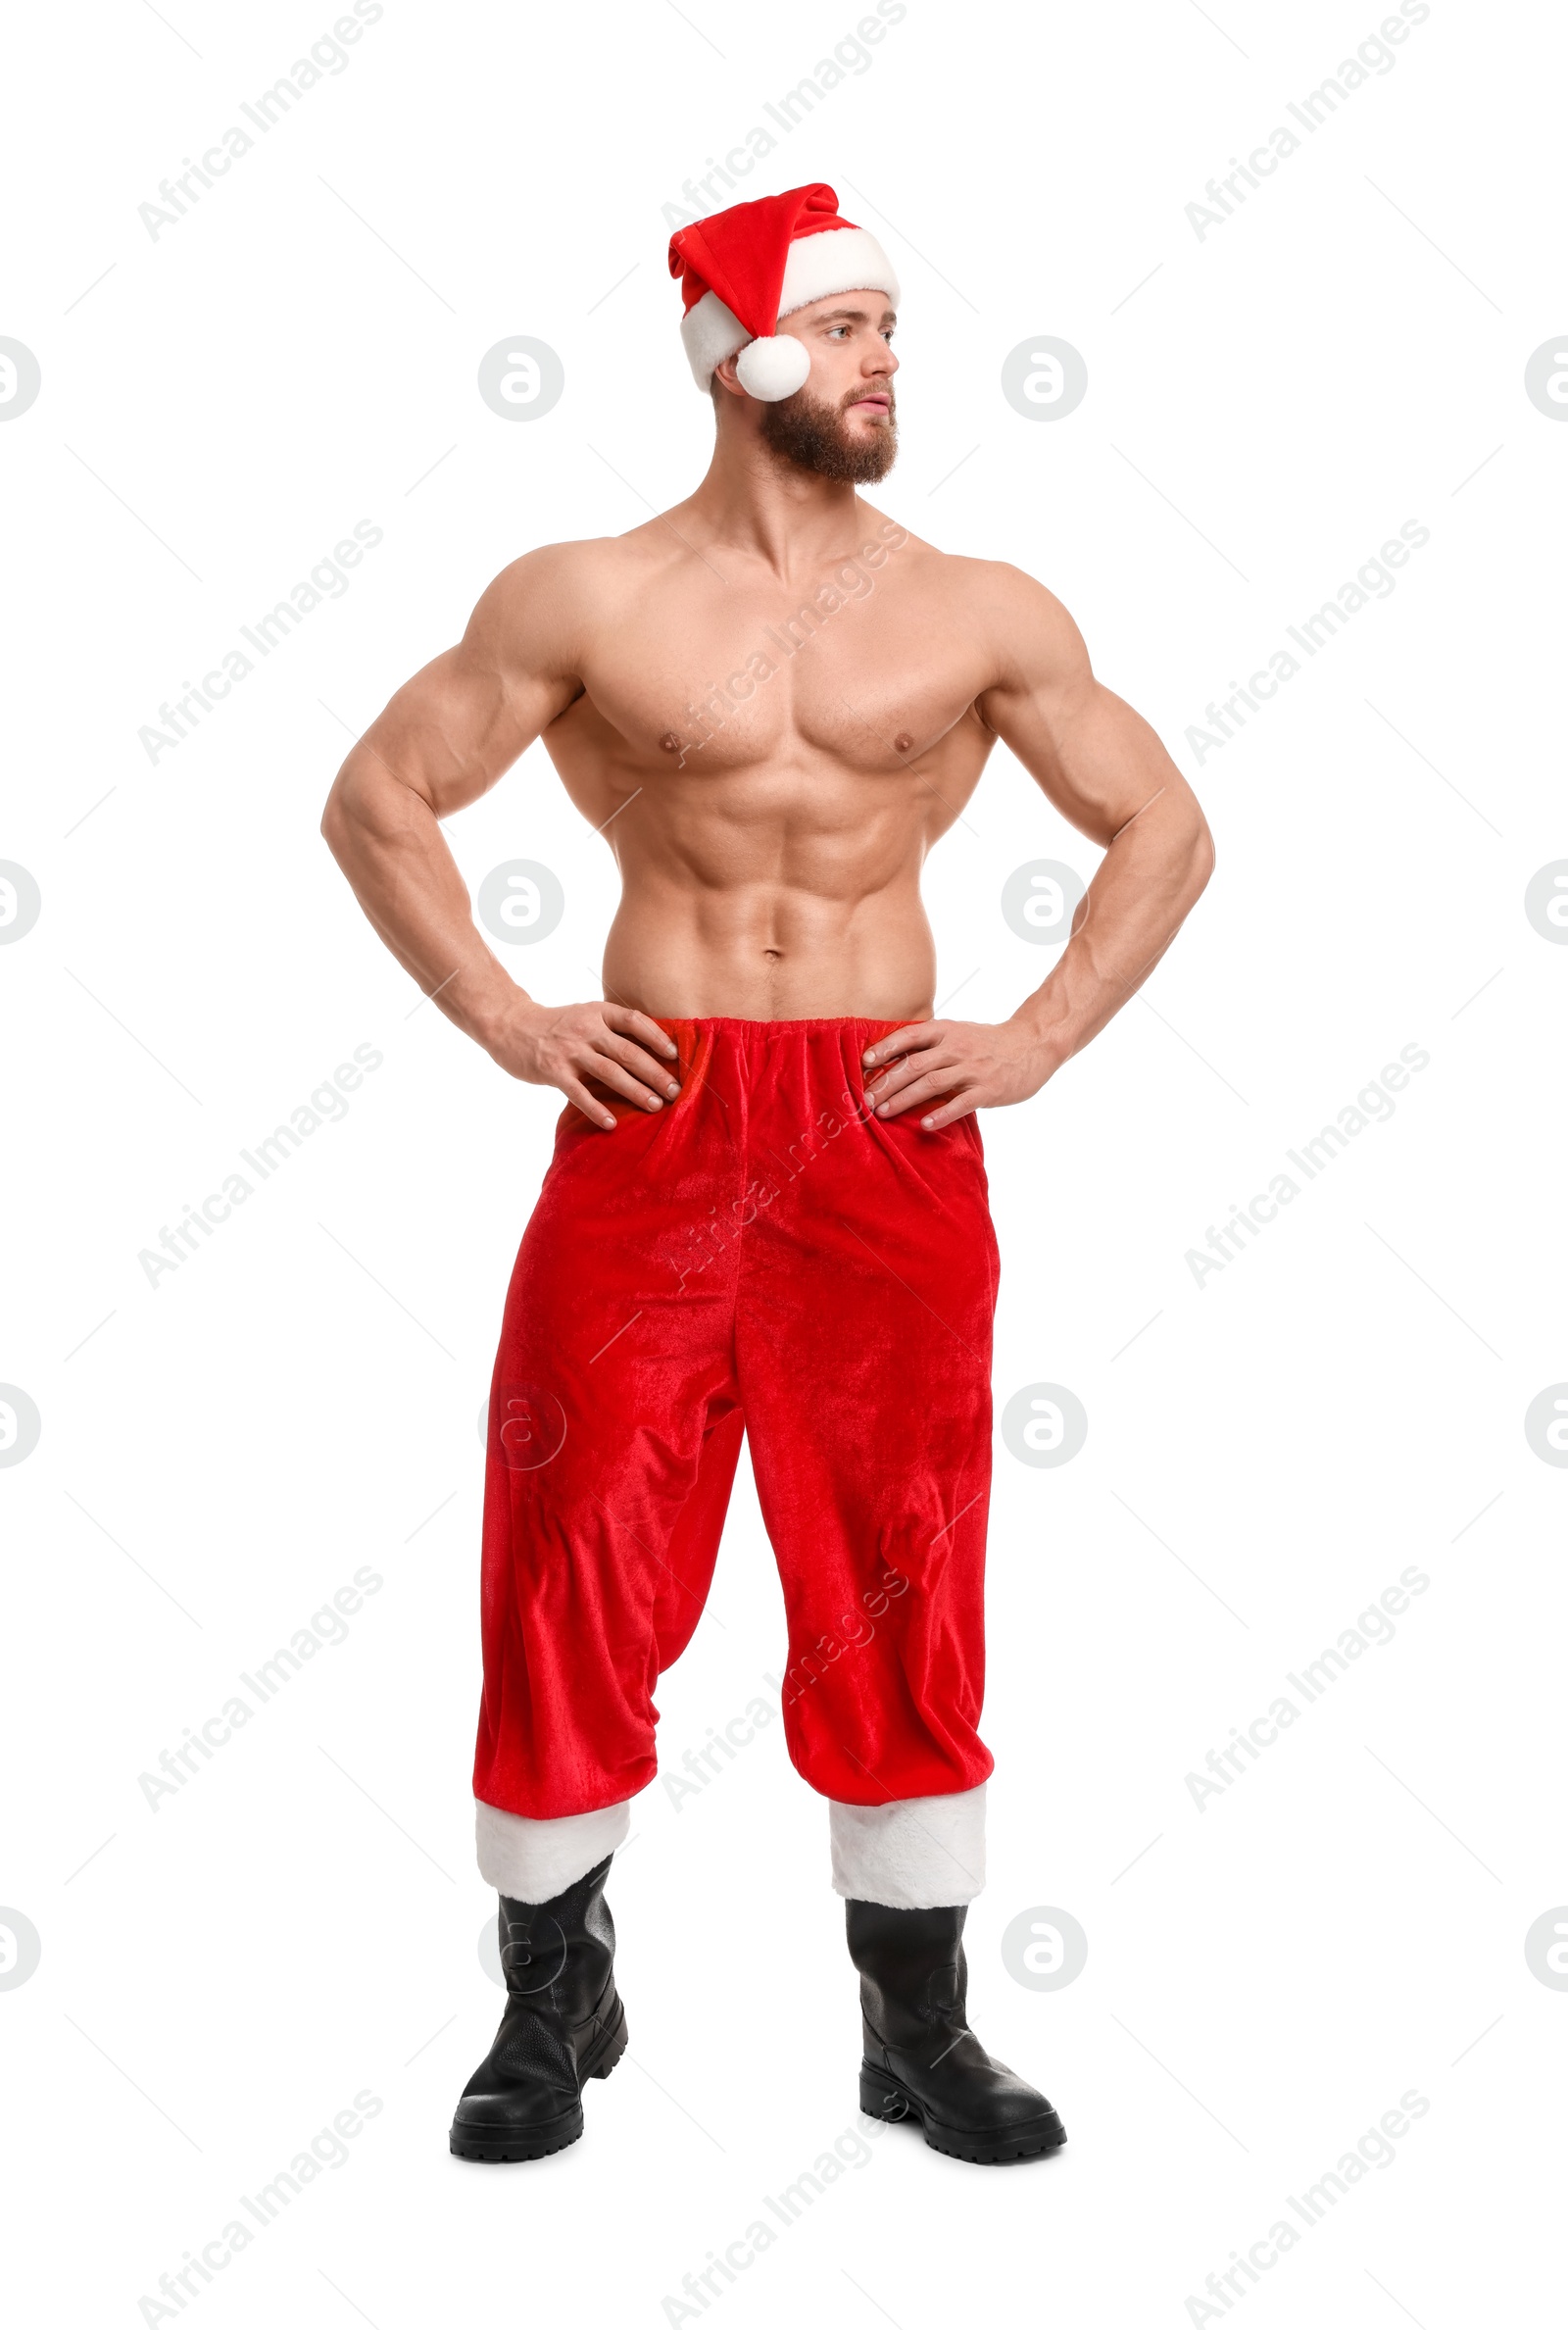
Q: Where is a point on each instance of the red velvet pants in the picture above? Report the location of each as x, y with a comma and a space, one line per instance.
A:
765, 1255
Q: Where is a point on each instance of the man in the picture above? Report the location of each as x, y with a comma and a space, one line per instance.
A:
766, 1209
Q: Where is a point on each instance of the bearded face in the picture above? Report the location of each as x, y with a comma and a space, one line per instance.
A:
826, 440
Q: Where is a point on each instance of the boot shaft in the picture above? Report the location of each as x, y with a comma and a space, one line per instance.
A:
914, 1975
558, 1955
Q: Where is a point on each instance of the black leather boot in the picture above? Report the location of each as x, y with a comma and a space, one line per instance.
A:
564, 2023
921, 2057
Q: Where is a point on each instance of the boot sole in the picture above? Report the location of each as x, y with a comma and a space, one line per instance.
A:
884, 2097
532, 2143
602, 2058
475, 2143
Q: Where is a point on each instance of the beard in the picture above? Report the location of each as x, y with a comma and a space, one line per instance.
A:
815, 437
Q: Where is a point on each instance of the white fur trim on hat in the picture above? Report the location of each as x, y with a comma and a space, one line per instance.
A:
532, 1860
840, 259
709, 332
919, 1853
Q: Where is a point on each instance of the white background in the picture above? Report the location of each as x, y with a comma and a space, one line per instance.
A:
1266, 1976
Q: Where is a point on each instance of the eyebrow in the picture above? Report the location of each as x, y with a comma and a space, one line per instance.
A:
853, 315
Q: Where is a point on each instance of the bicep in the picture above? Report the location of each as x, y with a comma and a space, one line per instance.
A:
1097, 759
456, 728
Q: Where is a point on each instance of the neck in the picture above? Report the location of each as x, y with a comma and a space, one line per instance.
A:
755, 502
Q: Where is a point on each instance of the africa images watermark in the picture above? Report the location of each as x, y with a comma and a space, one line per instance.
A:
329, 56
849, 2150
1375, 55
851, 56
1374, 2150
327, 1626
1373, 580
1373, 1625
327, 1105
708, 1240
704, 1764
1372, 1104
328, 2150
327, 579
850, 585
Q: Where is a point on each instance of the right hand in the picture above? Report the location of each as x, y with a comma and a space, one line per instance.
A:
616, 1046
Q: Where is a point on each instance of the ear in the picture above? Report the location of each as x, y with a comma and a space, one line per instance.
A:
724, 375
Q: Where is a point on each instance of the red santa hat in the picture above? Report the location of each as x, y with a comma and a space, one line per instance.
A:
744, 270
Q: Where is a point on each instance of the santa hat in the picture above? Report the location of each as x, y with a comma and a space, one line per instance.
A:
744, 270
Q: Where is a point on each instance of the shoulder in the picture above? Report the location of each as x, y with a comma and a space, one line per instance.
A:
1032, 639
568, 582
988, 588
553, 572
537, 610
1005, 592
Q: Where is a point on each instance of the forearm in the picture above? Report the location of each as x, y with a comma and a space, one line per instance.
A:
390, 846
1150, 876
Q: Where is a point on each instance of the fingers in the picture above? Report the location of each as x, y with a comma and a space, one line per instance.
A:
598, 1044
962, 1104
604, 1070
935, 1085
654, 1073
628, 1021
581, 1098
903, 1039
903, 1072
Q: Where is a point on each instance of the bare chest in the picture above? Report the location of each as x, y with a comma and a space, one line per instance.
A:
870, 664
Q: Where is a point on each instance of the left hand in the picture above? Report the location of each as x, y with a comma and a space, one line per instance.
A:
961, 1065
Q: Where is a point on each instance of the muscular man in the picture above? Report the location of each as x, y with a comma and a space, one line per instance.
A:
766, 1208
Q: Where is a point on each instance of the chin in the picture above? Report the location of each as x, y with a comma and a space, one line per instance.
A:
829, 443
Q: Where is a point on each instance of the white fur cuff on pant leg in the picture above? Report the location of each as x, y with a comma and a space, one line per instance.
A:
920, 1853
532, 1860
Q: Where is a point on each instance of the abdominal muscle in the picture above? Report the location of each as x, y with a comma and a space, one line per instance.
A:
767, 951
762, 898
789, 893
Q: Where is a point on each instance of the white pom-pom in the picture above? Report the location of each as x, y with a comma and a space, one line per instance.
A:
772, 369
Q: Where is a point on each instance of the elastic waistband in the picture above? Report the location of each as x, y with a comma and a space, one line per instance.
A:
778, 1028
